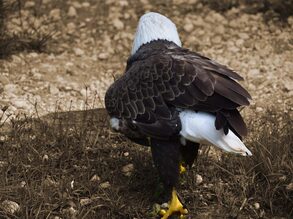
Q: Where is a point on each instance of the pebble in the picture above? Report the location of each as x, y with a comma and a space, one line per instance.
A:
198, 179
256, 205
10, 88
55, 14
127, 169
3, 163
243, 36
126, 154
4, 80
289, 187
10, 207
29, 4
45, 158
71, 212
53, 89
165, 205
217, 39
95, 178
103, 56
254, 72
259, 109
85, 201
105, 185
188, 27
71, 27
220, 29
118, 24
85, 4
78, 51
22, 184
19, 103
72, 12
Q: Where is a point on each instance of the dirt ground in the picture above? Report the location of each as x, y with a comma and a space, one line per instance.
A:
90, 45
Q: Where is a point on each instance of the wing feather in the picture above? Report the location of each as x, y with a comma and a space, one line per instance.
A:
155, 84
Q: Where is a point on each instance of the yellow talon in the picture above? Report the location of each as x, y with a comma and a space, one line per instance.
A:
175, 206
162, 212
182, 169
182, 216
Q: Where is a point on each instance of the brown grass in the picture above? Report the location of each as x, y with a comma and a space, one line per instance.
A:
79, 145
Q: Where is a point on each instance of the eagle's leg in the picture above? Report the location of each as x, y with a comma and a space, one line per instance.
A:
166, 156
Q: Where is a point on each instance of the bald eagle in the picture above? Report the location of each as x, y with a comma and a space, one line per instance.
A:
173, 99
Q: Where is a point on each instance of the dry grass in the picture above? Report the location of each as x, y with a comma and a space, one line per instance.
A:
47, 165
29, 39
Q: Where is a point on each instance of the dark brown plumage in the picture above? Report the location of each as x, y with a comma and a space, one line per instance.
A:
161, 78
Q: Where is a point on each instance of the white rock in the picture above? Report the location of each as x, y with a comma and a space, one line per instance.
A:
128, 168
256, 205
71, 27
188, 27
290, 21
10, 207
20, 103
198, 179
71, 12
118, 24
10, 88
165, 205
243, 36
71, 212
85, 201
289, 187
126, 154
55, 14
22, 184
53, 89
254, 72
217, 39
103, 56
4, 80
95, 178
220, 29
45, 158
78, 51
84, 92
29, 4
239, 42
85, 4
3, 163
259, 109
105, 185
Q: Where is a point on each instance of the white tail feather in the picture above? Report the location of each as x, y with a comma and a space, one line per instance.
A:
200, 127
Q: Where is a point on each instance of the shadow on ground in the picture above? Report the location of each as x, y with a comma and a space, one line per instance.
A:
71, 165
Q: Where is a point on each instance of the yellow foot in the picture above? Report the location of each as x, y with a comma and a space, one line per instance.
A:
182, 169
174, 207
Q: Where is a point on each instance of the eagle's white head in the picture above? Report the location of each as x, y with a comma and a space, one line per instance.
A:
154, 26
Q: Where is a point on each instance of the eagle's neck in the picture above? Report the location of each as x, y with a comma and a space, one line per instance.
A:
153, 26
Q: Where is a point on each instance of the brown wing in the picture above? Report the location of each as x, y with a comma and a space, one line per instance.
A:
154, 87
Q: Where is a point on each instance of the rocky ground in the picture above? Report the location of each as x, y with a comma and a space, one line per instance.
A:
91, 41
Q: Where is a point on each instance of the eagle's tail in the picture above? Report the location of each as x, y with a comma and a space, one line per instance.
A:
200, 127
